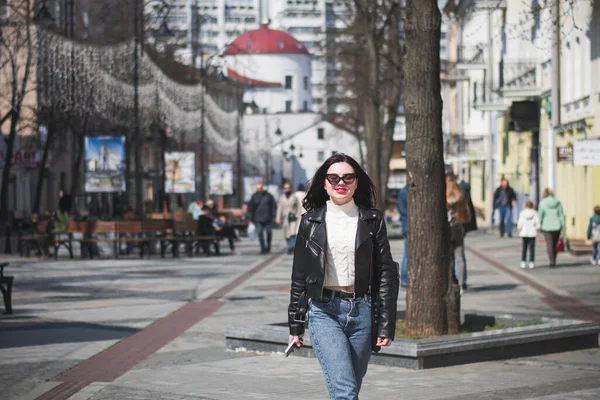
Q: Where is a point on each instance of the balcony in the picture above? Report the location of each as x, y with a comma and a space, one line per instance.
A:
488, 97
471, 57
521, 79
460, 147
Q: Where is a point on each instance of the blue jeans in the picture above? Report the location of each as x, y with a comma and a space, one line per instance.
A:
340, 333
261, 227
596, 251
460, 265
291, 242
505, 219
403, 271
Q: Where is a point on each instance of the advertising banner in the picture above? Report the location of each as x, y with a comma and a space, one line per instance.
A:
105, 164
220, 179
180, 172
586, 152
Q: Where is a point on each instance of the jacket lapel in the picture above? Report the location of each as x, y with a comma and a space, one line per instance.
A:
363, 230
318, 235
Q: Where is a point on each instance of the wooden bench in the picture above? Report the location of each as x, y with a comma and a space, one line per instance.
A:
190, 232
579, 247
66, 239
181, 229
6, 283
39, 237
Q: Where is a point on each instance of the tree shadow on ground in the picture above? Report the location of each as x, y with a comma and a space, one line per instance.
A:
490, 288
25, 334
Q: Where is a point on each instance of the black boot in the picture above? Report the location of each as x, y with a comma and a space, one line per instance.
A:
269, 237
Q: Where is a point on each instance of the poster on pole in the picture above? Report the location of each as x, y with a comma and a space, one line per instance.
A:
105, 164
220, 179
586, 152
180, 172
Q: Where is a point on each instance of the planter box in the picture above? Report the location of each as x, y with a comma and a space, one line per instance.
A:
548, 335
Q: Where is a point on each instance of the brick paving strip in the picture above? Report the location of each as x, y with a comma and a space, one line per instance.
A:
567, 305
115, 361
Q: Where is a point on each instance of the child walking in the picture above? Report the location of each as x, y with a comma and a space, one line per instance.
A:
593, 234
528, 225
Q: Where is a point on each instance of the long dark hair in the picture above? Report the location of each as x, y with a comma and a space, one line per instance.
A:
364, 196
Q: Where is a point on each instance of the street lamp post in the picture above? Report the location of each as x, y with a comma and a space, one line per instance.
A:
269, 167
291, 156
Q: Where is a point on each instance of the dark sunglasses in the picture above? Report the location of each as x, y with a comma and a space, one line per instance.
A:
334, 179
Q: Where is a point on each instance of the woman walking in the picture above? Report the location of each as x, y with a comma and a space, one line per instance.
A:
287, 215
458, 215
528, 226
343, 276
552, 222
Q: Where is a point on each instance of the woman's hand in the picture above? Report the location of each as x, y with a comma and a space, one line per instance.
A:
383, 342
296, 339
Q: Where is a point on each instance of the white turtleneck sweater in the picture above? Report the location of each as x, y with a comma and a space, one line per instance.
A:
341, 222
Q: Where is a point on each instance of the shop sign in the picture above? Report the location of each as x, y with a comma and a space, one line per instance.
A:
23, 158
564, 154
586, 152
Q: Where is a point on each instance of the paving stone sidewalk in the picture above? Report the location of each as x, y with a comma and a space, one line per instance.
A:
68, 311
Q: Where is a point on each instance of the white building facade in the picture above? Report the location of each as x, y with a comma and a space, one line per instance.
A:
214, 24
275, 66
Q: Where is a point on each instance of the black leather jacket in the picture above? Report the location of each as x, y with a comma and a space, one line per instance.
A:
375, 270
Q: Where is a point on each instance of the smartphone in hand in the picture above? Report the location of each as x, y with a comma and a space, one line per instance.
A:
289, 349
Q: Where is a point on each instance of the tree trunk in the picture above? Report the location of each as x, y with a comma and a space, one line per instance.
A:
428, 232
7, 167
76, 171
42, 169
452, 299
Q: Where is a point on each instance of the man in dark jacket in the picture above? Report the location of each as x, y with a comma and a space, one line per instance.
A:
504, 200
403, 210
261, 210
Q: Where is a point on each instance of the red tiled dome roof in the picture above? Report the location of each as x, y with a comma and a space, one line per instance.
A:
265, 41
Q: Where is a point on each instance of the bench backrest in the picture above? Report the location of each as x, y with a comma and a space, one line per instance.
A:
77, 227
183, 217
153, 226
104, 227
129, 227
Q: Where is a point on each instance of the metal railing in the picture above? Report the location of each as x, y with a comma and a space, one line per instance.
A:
471, 55
460, 145
485, 93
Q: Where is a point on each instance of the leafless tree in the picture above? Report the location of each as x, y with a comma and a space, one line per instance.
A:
17, 61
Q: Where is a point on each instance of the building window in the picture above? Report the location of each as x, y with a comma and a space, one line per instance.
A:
333, 152
321, 156
288, 81
321, 134
288, 106
305, 108
306, 83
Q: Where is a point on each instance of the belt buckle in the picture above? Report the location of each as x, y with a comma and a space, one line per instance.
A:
302, 317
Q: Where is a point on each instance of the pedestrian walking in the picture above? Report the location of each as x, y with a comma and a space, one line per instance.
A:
458, 216
261, 209
403, 210
300, 193
470, 226
593, 234
552, 222
287, 216
343, 265
504, 200
528, 225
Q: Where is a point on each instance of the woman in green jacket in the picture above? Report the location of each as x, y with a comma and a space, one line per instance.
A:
552, 220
